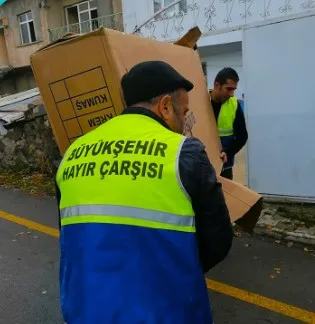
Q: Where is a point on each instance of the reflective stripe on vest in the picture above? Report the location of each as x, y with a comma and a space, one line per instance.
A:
116, 215
129, 178
226, 117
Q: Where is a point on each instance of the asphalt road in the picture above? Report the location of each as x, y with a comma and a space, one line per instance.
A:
29, 272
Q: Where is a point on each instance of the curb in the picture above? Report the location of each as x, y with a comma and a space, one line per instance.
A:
297, 237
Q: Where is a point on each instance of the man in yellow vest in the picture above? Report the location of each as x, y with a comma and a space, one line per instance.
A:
230, 118
142, 214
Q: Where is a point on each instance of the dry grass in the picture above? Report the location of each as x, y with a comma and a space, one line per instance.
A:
34, 184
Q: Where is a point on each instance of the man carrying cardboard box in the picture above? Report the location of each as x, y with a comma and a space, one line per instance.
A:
230, 118
142, 214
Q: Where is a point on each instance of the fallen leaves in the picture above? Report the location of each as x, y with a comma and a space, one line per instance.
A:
238, 234
308, 250
277, 272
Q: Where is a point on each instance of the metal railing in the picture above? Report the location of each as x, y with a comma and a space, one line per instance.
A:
212, 16
114, 21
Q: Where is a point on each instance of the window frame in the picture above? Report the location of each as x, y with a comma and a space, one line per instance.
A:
173, 10
27, 22
88, 10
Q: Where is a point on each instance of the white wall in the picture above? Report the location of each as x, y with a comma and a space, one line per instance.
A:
212, 17
136, 12
218, 61
220, 38
280, 95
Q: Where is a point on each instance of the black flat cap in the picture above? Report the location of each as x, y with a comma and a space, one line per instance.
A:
150, 79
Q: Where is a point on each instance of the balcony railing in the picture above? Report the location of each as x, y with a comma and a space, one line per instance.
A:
211, 16
114, 21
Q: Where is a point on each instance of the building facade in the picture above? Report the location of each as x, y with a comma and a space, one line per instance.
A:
28, 25
221, 22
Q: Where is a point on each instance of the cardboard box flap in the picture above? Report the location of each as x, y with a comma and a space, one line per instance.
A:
66, 37
245, 205
190, 39
249, 220
71, 37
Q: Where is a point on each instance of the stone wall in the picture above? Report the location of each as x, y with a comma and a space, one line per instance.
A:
29, 147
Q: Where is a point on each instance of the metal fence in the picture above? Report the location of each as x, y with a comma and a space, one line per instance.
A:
114, 21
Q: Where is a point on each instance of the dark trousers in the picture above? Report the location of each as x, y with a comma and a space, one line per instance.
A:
227, 173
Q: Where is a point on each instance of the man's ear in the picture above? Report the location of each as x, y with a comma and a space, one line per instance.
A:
165, 106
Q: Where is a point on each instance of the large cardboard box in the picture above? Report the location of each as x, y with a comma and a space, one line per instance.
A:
79, 81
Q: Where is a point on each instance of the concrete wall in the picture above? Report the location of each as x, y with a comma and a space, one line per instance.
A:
56, 14
51, 17
17, 80
19, 54
24, 80
4, 58
117, 6
105, 7
56, 11
7, 85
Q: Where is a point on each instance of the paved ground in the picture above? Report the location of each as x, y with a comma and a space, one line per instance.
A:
29, 273
251, 267
28, 263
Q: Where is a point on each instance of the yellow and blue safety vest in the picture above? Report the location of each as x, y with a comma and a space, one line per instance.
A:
128, 239
225, 126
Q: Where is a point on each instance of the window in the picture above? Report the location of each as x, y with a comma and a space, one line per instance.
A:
82, 17
27, 29
179, 7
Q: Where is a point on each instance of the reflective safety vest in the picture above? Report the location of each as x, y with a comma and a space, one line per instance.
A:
225, 125
128, 243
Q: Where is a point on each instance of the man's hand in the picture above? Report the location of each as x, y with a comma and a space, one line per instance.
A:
223, 157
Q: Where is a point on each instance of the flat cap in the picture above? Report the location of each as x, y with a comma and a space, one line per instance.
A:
150, 79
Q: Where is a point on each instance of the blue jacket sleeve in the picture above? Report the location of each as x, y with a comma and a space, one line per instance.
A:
213, 227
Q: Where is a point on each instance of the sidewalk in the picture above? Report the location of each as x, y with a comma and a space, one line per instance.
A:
293, 223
